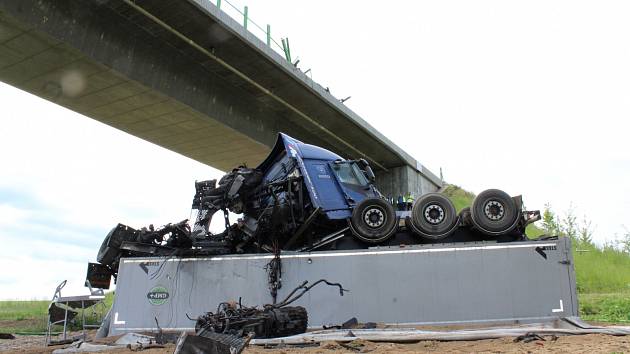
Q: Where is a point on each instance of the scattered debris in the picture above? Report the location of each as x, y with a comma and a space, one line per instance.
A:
135, 339
210, 343
528, 337
296, 345
230, 329
267, 323
103, 330
353, 323
404, 335
83, 347
162, 337
63, 309
274, 320
131, 341
354, 346
54, 342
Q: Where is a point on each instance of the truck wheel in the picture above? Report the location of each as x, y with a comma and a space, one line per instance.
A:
433, 216
373, 220
494, 212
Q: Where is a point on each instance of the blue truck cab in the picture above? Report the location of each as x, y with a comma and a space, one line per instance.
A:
336, 186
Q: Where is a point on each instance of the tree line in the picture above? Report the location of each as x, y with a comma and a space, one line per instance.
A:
580, 231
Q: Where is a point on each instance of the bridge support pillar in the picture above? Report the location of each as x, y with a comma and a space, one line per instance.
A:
400, 180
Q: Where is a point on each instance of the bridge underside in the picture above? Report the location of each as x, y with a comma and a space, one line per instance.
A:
109, 62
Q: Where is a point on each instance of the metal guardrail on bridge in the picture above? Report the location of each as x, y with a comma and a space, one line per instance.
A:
264, 34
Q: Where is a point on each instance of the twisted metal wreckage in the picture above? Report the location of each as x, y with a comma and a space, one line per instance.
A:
304, 198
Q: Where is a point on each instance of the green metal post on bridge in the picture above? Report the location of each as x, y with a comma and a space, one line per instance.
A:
245, 12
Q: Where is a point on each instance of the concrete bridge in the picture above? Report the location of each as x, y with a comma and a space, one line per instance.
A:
186, 76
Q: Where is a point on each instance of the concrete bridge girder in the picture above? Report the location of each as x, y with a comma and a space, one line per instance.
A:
103, 60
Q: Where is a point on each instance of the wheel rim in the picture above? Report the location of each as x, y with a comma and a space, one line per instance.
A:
374, 217
434, 214
494, 210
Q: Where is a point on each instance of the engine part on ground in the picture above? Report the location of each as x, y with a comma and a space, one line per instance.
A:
274, 320
373, 220
210, 343
433, 216
231, 318
494, 212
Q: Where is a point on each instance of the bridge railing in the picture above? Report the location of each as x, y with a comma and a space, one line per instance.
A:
241, 14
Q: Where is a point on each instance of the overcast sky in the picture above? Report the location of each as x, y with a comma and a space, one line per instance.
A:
530, 97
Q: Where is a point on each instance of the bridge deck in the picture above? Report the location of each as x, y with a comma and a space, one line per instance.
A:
182, 75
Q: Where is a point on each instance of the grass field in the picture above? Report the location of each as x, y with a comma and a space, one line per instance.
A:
30, 316
603, 283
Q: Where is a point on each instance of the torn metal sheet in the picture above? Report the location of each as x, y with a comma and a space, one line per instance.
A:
210, 343
403, 335
135, 338
82, 347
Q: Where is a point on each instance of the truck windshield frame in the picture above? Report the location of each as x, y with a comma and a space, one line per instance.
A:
349, 173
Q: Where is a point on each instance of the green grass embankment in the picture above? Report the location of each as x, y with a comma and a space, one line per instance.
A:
603, 283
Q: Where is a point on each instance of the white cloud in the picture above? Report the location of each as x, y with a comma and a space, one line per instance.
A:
10, 215
37, 278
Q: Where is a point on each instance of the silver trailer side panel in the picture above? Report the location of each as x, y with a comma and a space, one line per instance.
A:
446, 283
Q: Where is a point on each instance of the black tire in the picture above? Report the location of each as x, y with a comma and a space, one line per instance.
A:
494, 212
373, 220
433, 216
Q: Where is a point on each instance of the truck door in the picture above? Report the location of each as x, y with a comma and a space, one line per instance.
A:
324, 185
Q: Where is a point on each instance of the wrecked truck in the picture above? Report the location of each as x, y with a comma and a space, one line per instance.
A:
305, 198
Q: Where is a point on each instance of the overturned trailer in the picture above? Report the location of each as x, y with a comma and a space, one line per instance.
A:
304, 205
458, 283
